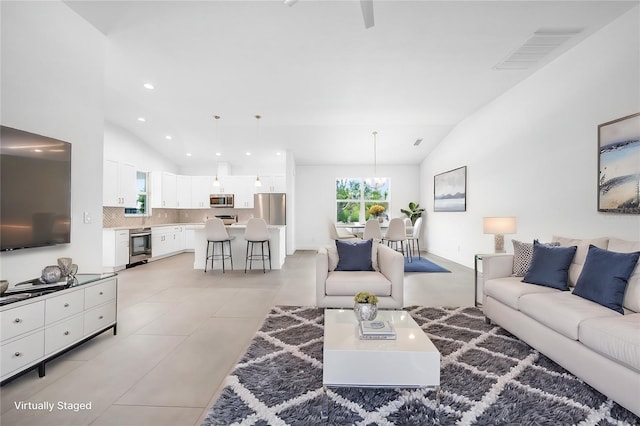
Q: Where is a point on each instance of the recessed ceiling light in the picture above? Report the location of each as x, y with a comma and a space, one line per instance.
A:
37, 150
149, 86
277, 153
218, 154
188, 154
168, 137
247, 153
417, 142
141, 119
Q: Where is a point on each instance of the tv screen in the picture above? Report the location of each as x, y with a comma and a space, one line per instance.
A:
35, 190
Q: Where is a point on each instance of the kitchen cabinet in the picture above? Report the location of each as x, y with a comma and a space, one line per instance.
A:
167, 240
244, 189
201, 188
115, 249
38, 329
164, 190
119, 184
183, 192
272, 184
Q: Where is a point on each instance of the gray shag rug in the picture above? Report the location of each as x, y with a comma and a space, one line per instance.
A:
488, 377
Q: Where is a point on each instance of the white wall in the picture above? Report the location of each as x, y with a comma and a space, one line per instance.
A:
532, 153
52, 84
121, 145
315, 203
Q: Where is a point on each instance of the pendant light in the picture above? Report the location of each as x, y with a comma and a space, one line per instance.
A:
258, 183
216, 182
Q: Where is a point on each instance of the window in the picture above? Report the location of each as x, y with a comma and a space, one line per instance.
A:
355, 196
142, 183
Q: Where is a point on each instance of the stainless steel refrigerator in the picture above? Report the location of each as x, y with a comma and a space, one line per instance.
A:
271, 207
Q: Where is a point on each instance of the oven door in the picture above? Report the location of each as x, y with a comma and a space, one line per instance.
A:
139, 246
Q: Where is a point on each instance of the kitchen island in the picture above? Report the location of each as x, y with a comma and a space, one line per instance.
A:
239, 247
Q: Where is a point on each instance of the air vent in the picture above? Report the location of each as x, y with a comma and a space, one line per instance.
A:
536, 48
417, 142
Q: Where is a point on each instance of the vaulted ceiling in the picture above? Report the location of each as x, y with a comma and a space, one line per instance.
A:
321, 82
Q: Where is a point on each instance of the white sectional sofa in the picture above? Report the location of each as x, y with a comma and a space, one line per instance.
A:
594, 342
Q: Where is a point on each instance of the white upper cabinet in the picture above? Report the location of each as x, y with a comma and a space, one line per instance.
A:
201, 188
273, 183
164, 187
183, 193
244, 188
119, 184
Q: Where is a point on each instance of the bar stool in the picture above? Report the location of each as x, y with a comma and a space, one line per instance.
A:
217, 234
257, 232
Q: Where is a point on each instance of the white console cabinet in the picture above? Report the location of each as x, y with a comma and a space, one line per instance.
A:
41, 327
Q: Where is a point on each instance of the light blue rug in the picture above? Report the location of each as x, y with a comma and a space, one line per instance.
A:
420, 264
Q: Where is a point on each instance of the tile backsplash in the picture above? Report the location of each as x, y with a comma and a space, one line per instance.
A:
114, 216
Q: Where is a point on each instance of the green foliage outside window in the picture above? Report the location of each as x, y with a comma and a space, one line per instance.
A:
355, 196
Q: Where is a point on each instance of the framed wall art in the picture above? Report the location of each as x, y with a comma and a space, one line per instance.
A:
619, 165
450, 191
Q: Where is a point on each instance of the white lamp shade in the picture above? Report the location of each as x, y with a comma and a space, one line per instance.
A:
499, 225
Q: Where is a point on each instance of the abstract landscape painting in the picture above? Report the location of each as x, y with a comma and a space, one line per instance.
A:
450, 191
619, 165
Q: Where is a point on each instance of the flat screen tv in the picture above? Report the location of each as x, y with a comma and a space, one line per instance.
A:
35, 190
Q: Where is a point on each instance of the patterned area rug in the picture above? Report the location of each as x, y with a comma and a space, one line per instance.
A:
488, 377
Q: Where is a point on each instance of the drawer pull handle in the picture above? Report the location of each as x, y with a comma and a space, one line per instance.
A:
100, 317
17, 320
17, 354
66, 333
66, 305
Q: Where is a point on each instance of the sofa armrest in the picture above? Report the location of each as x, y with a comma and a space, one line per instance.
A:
391, 264
497, 266
322, 272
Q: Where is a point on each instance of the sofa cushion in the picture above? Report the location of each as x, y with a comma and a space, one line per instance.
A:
617, 338
332, 254
604, 277
581, 253
348, 283
562, 312
508, 290
632, 295
522, 255
354, 256
549, 266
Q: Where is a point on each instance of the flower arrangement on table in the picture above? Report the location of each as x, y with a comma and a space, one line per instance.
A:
366, 297
376, 210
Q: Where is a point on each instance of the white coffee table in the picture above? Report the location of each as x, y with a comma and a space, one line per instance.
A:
410, 361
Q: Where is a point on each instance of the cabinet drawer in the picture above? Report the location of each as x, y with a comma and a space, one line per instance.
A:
22, 352
63, 334
99, 318
63, 306
98, 294
20, 320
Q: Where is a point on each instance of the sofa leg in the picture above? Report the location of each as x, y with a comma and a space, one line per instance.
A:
487, 320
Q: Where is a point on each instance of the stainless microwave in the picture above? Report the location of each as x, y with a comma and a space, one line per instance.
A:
221, 200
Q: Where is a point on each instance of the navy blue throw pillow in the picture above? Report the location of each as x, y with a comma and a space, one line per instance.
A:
604, 277
550, 266
354, 256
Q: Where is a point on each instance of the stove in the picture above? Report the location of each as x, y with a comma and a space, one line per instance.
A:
228, 219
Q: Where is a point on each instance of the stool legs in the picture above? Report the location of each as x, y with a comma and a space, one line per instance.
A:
250, 256
222, 256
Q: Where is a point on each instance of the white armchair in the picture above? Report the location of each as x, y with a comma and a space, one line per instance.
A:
336, 289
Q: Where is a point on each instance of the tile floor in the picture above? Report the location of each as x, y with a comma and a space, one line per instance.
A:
180, 332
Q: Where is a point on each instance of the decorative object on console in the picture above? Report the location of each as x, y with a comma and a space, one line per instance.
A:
450, 191
64, 263
619, 165
51, 274
366, 306
499, 226
4, 285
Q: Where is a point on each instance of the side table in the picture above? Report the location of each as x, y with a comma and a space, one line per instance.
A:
476, 258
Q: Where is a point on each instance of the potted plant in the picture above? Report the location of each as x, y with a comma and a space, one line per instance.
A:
366, 306
414, 212
376, 210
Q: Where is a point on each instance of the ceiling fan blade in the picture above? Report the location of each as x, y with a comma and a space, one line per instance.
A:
367, 12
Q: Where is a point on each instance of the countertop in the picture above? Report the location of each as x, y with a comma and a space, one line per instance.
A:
192, 225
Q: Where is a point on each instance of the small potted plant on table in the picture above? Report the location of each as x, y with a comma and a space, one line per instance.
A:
366, 306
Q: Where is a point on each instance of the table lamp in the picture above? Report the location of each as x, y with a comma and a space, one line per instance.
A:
499, 226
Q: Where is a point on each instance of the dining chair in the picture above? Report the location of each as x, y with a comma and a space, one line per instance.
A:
257, 232
397, 234
372, 230
415, 236
217, 234
339, 234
